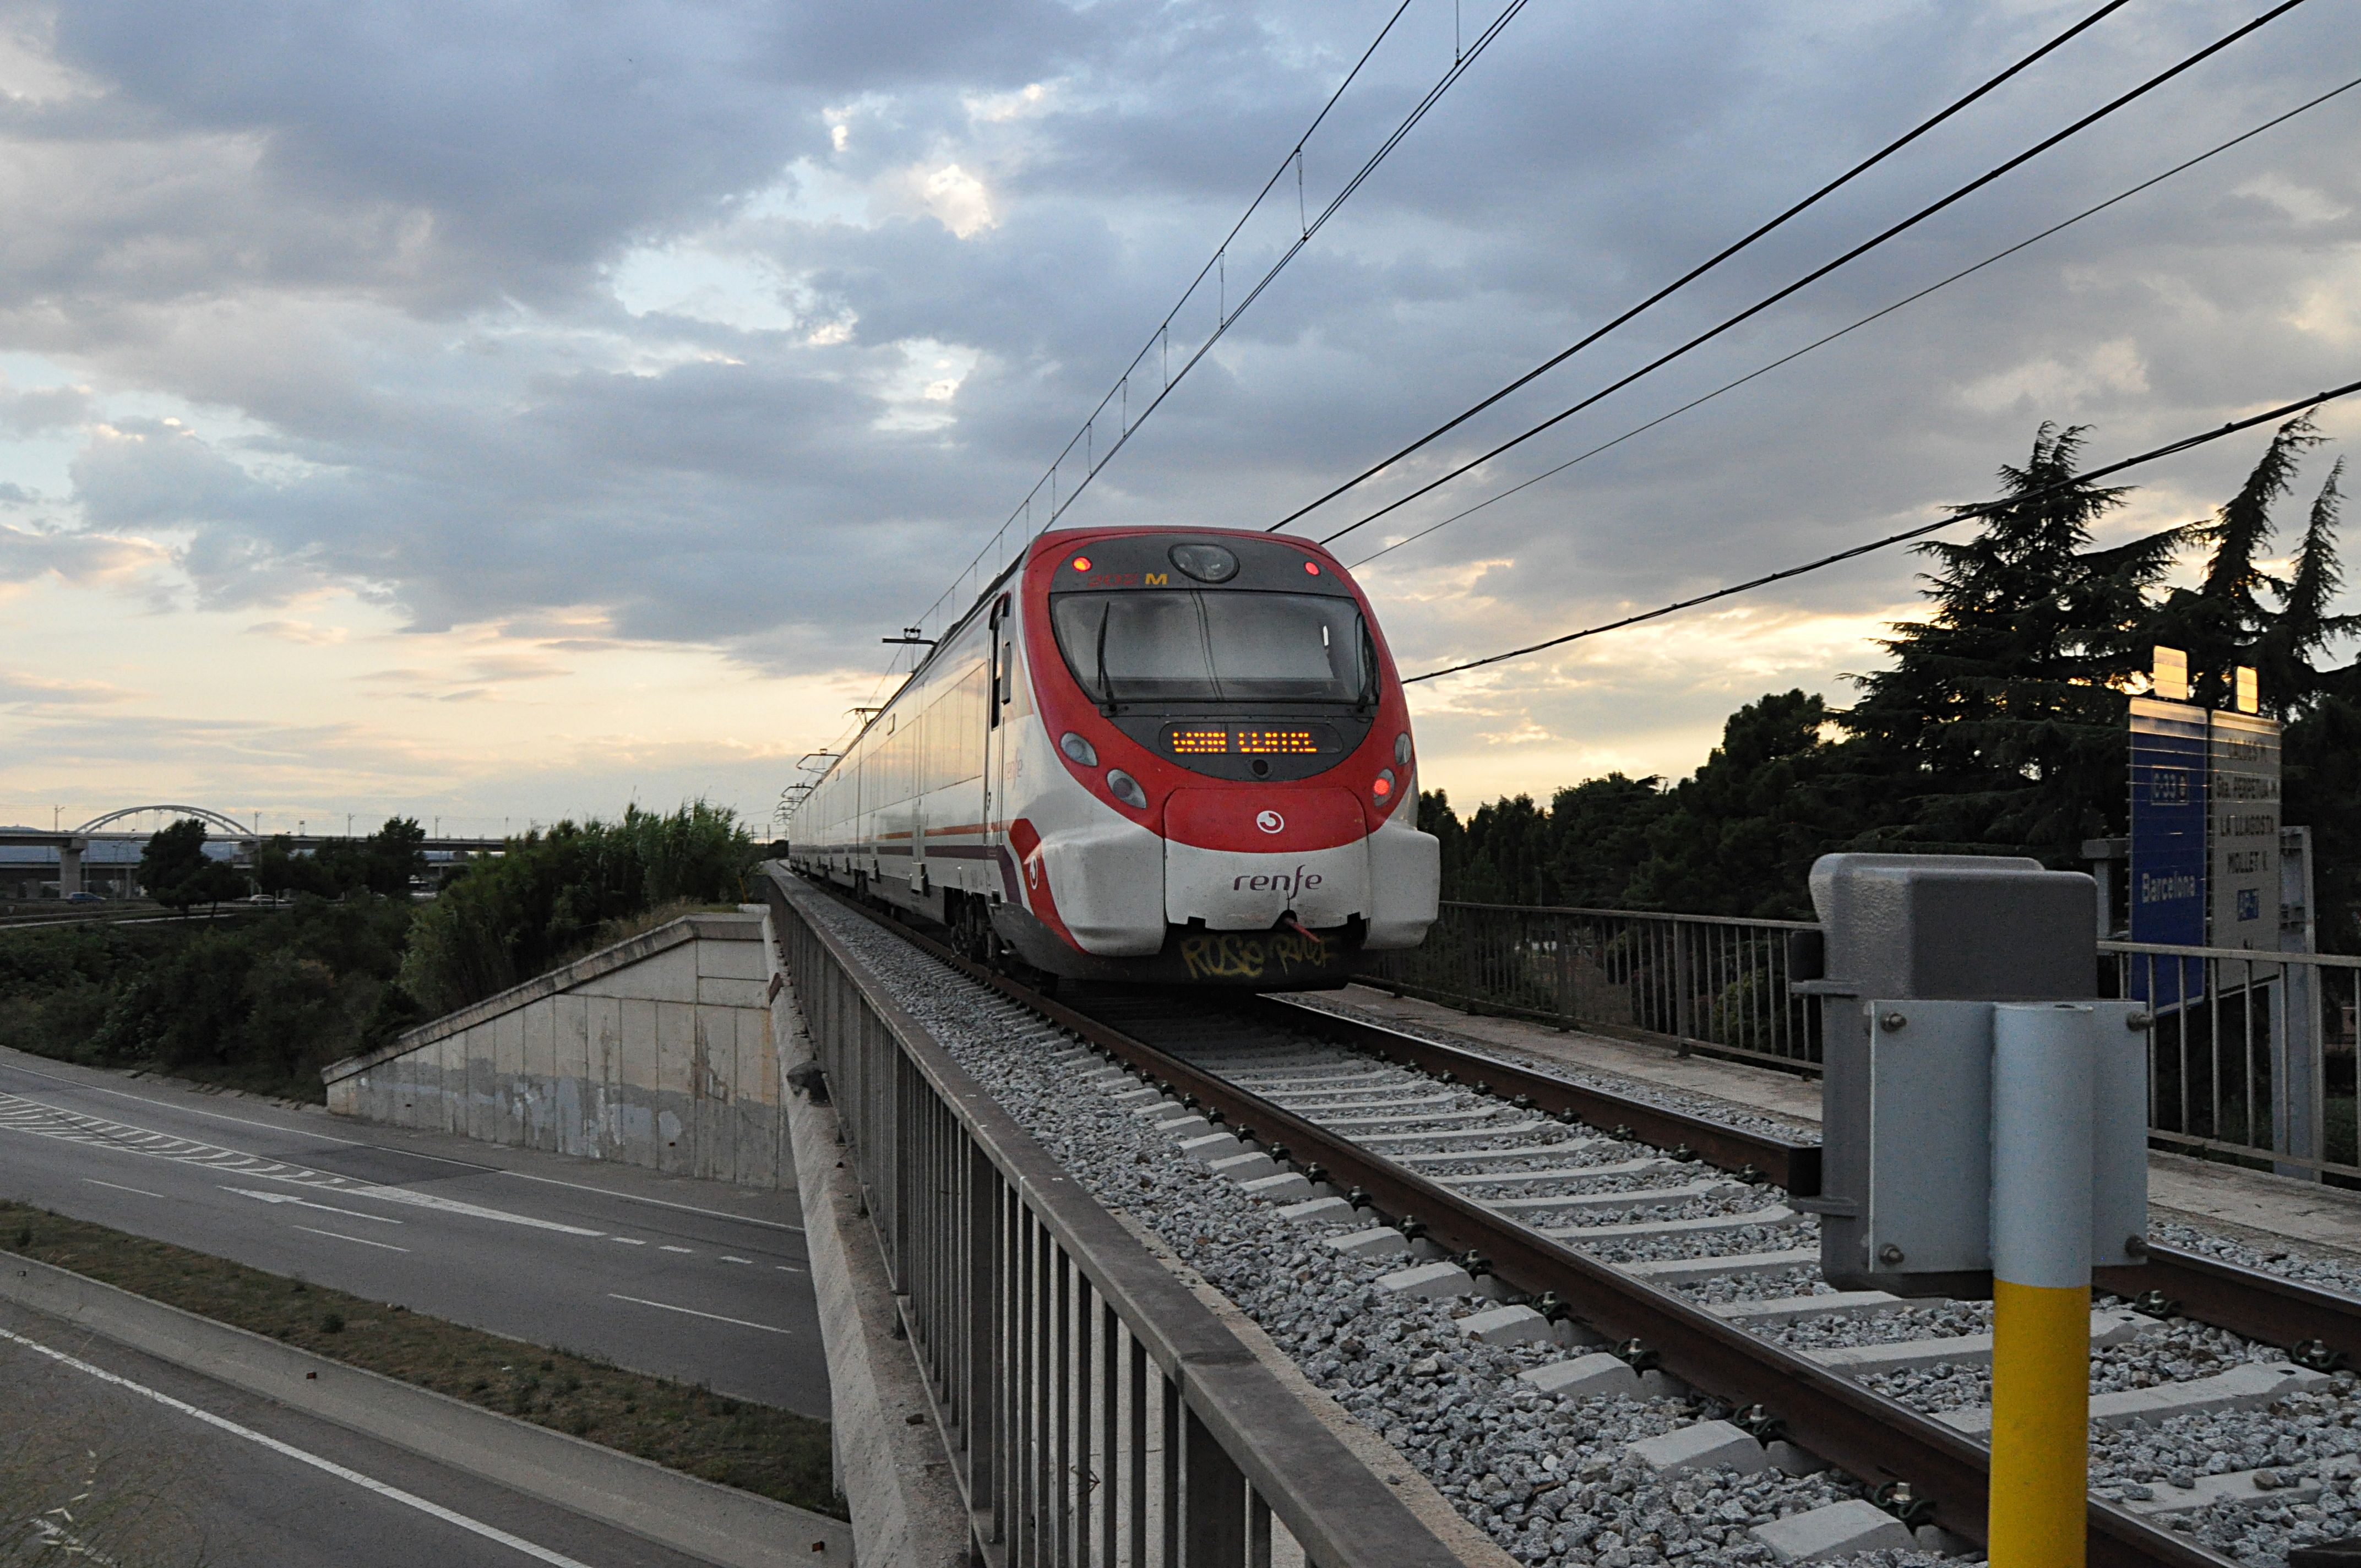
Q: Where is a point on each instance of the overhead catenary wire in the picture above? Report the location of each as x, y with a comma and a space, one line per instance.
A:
1156, 349
1902, 303
1957, 515
1701, 269
1874, 242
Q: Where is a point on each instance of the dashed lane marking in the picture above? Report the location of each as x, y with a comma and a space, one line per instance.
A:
301, 1456
667, 1306
45, 1120
385, 1247
687, 1249
727, 1258
307, 1203
628, 1241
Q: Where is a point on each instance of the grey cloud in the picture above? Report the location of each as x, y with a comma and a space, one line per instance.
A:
263, 212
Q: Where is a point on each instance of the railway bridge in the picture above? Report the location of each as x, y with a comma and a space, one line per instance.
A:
1507, 1249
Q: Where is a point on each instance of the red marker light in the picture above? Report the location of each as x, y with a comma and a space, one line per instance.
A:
1081, 562
1312, 568
1382, 788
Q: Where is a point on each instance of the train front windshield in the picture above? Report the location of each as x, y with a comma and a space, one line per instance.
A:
1231, 647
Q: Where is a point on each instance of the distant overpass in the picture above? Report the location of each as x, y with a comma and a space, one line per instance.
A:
72, 843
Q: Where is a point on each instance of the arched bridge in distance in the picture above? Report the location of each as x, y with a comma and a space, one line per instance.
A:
71, 843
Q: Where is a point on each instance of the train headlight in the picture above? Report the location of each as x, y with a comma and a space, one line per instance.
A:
1402, 749
1083, 753
1382, 787
1125, 788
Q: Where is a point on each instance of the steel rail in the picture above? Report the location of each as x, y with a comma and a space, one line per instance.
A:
2247, 1301
1862, 1432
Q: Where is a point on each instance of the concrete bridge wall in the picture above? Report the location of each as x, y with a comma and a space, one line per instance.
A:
657, 1052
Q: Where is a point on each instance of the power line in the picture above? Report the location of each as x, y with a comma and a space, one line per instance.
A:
1958, 514
1157, 351
1693, 274
1873, 316
2093, 117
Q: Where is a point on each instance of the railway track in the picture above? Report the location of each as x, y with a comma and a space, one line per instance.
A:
1589, 1218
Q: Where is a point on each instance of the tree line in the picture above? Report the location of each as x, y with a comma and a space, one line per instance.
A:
351, 959
1998, 725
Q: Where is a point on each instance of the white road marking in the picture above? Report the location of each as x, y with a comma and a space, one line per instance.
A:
307, 1203
42, 1120
687, 1249
288, 1450
186, 1110
638, 1301
726, 1259
94, 1181
340, 1236
633, 1198
628, 1241
785, 1269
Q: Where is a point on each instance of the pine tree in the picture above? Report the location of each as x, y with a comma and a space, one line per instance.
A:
2002, 719
2222, 623
2304, 625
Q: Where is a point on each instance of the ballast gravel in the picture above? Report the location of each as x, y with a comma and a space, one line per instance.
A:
1550, 1481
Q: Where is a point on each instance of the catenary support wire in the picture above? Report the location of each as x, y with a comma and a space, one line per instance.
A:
1892, 232
1876, 315
1960, 514
1699, 271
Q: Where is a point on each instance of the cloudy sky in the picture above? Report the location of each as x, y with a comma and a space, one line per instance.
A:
503, 411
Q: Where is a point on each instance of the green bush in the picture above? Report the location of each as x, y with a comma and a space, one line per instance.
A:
261, 1004
548, 897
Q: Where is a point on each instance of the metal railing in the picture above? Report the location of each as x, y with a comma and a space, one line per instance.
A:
1694, 982
1096, 1412
2252, 1054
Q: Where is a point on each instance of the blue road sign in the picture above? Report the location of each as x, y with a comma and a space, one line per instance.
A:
2168, 757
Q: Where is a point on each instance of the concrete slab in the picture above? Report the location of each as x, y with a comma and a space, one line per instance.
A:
1280, 1187
1686, 1270
2247, 1387
1838, 1531
1192, 1127
1428, 1279
1584, 1377
1706, 1445
1789, 1308
1776, 1214
1963, 1350
1322, 1212
1375, 1243
1607, 1203
1243, 1167
1207, 1147
1506, 1325
2236, 1487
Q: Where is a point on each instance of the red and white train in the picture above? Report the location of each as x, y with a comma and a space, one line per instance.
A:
1160, 756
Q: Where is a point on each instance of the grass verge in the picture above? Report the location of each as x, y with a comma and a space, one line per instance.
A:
776, 1454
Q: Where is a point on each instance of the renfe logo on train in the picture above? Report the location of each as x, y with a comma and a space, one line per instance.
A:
1269, 821
1277, 882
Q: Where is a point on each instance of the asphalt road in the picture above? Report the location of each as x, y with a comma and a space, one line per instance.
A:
690, 1279
139, 1461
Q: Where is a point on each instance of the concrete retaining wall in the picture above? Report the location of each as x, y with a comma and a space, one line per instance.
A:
657, 1051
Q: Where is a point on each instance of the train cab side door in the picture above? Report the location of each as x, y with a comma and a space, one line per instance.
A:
999, 736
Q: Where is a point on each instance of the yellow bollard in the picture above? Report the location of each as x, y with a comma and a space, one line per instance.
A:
2044, 1056
2040, 1431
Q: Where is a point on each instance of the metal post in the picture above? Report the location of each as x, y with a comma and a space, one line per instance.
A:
2043, 1071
